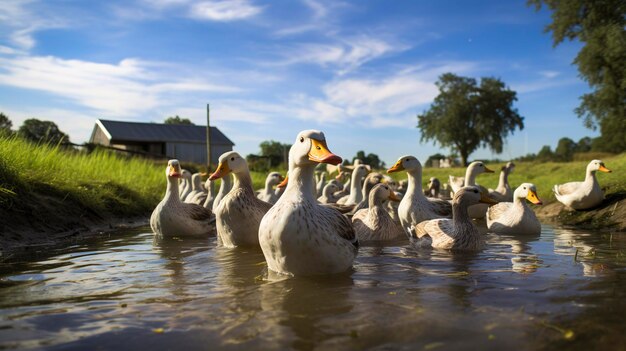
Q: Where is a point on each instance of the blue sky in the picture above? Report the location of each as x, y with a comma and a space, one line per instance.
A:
358, 70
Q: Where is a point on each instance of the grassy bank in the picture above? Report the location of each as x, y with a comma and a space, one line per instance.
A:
46, 189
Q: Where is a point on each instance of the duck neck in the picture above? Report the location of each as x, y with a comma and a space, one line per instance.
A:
268, 187
470, 177
355, 184
503, 181
414, 189
243, 182
301, 183
460, 217
590, 177
225, 185
172, 194
519, 202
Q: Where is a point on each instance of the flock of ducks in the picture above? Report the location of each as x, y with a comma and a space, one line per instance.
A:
307, 224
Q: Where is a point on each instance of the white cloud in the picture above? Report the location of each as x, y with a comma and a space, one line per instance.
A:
124, 89
549, 74
346, 54
21, 18
224, 10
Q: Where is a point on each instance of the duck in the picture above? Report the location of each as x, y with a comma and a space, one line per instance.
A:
356, 183
299, 236
174, 218
328, 194
415, 207
368, 184
515, 217
458, 233
474, 169
268, 194
225, 185
196, 187
583, 195
374, 223
503, 191
239, 213
320, 184
210, 197
434, 185
186, 182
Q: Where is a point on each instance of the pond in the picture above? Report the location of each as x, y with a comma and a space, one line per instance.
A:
563, 289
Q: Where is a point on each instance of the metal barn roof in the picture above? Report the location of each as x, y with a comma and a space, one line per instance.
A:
156, 132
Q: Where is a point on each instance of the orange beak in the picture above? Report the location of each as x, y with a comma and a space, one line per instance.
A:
532, 197
283, 183
222, 170
487, 170
396, 168
319, 153
604, 169
487, 200
174, 171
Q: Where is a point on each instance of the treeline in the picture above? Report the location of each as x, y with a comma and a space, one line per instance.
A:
34, 130
566, 150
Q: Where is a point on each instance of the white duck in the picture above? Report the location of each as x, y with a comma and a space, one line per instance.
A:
583, 195
374, 223
503, 191
173, 217
474, 169
225, 185
298, 236
368, 184
415, 207
356, 183
210, 198
434, 185
239, 213
268, 194
328, 196
458, 233
516, 217
320, 184
186, 182
196, 187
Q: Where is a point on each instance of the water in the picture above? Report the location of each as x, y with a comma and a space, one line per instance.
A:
563, 289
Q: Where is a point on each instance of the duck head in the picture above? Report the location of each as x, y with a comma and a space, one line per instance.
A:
597, 165
274, 178
310, 149
528, 191
173, 169
471, 195
229, 162
381, 193
406, 163
478, 167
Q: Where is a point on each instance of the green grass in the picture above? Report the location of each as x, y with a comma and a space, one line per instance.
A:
543, 174
99, 181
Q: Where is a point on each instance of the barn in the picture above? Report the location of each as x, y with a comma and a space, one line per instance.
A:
184, 142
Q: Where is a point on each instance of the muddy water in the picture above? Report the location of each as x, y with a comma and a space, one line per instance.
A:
563, 289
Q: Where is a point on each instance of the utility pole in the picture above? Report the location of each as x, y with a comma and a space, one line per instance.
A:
208, 138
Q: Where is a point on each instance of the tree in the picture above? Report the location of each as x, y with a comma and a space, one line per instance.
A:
565, 149
583, 145
370, 159
5, 124
545, 154
177, 120
601, 26
42, 131
465, 116
272, 155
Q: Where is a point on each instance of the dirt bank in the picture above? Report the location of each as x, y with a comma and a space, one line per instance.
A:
41, 219
610, 215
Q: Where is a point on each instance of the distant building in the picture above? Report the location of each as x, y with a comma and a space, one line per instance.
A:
186, 143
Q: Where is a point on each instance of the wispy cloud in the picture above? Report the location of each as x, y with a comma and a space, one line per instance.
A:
126, 88
20, 21
225, 10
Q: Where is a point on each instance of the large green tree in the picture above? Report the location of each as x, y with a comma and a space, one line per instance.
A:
466, 115
42, 131
370, 159
601, 26
565, 149
177, 120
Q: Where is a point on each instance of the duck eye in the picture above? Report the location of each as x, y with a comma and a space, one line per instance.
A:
302, 139
524, 188
232, 158
475, 191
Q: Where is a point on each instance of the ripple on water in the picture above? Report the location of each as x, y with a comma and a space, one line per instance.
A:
552, 290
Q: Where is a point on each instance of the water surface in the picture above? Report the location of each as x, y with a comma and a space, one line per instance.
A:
563, 289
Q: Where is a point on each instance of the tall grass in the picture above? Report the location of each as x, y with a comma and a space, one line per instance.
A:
101, 180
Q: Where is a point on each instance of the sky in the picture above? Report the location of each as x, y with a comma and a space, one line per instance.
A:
360, 71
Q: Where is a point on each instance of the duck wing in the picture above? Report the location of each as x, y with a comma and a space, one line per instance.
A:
440, 230
342, 225
498, 210
197, 212
340, 207
567, 188
441, 207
